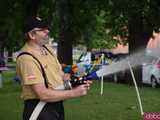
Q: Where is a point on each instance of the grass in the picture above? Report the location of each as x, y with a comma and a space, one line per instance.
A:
11, 105
118, 102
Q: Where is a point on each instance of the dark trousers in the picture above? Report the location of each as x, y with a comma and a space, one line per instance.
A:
51, 111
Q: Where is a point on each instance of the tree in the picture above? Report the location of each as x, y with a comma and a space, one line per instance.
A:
10, 25
140, 27
93, 23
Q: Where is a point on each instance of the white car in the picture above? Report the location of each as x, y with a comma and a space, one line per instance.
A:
151, 71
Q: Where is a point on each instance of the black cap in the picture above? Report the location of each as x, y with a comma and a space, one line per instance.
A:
34, 22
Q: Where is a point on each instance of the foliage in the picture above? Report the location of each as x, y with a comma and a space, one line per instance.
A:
101, 37
49, 11
11, 23
152, 15
93, 23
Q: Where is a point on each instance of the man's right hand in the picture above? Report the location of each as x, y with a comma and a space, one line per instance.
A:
81, 90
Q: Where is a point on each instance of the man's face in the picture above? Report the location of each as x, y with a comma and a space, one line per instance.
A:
41, 36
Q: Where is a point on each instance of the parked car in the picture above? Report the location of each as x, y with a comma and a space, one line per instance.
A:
90, 57
151, 71
119, 76
92, 61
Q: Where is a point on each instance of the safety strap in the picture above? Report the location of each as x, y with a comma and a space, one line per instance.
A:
37, 110
42, 69
48, 50
40, 104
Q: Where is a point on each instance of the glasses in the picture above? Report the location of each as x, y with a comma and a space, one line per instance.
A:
39, 29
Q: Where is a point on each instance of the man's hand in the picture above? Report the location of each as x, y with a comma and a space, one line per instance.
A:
88, 82
81, 90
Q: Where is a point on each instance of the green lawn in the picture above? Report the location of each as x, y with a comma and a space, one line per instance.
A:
118, 102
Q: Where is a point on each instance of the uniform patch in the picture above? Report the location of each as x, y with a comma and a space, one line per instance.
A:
30, 77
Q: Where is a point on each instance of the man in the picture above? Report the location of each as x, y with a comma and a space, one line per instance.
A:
37, 87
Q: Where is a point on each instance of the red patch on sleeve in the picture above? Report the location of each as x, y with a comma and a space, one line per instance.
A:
30, 77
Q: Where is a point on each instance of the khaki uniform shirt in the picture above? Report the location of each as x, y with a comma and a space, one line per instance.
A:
29, 71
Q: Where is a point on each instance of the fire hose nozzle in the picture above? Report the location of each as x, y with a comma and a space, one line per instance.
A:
75, 81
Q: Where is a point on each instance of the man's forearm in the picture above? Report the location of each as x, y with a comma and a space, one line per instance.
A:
50, 95
56, 95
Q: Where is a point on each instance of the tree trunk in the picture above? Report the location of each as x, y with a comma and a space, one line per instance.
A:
3, 37
138, 38
66, 35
